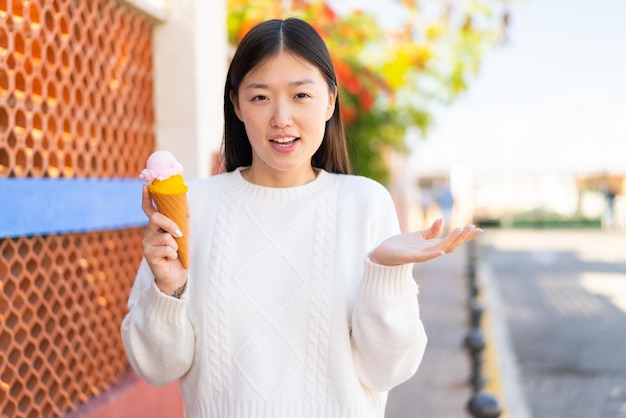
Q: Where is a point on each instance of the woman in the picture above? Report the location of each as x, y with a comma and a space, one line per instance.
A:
299, 300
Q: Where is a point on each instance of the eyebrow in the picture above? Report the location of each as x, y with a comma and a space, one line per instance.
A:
292, 84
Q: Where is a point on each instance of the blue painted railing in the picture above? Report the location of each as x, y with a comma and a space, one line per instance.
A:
49, 206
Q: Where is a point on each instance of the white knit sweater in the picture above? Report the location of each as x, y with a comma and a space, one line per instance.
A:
284, 315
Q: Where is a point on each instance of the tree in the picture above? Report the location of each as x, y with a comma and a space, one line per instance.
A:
391, 77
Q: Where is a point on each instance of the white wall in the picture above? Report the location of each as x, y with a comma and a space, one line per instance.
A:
190, 60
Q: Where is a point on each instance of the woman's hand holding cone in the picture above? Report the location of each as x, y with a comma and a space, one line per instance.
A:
160, 248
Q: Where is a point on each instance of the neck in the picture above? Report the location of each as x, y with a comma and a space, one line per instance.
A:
279, 179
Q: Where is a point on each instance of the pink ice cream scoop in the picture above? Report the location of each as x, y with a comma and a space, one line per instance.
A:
161, 165
168, 191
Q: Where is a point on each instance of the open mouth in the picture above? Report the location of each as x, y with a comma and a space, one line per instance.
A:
284, 141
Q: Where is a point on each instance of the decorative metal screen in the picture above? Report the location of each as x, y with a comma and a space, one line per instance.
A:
75, 101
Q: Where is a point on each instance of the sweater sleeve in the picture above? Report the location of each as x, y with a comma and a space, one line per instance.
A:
157, 335
388, 337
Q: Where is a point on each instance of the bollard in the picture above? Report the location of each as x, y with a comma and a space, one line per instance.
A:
481, 404
471, 271
471, 267
475, 343
484, 405
474, 289
476, 313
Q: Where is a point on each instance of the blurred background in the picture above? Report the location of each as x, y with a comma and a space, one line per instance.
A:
515, 106
510, 114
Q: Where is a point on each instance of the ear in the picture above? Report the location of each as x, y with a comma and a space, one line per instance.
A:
234, 100
332, 99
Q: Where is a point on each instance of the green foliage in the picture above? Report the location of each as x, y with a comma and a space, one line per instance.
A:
374, 134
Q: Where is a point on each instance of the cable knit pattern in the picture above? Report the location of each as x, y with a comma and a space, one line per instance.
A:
277, 280
321, 298
217, 319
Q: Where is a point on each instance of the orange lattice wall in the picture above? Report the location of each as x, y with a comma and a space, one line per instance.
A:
75, 89
75, 101
63, 298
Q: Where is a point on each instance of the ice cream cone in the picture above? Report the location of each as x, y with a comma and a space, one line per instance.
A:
169, 193
170, 198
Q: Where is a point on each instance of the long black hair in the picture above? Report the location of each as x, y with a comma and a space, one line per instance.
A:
264, 41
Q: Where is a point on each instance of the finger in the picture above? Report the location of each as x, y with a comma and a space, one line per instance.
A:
434, 230
159, 239
146, 202
447, 242
473, 234
468, 233
163, 252
159, 222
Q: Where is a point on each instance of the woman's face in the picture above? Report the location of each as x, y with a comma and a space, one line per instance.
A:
284, 104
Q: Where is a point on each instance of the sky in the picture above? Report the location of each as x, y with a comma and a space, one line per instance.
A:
552, 100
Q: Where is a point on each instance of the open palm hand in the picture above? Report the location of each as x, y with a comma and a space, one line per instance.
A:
420, 246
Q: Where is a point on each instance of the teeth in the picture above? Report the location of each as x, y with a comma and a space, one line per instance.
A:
283, 140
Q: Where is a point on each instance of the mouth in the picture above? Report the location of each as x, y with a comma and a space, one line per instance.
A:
284, 141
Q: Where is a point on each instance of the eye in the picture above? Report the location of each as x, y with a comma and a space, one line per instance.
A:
259, 98
302, 96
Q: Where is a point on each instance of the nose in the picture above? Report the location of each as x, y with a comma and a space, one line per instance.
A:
281, 116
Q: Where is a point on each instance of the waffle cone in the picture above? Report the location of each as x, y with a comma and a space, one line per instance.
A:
174, 206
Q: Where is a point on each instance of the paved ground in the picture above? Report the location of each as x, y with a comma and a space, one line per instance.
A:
563, 295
